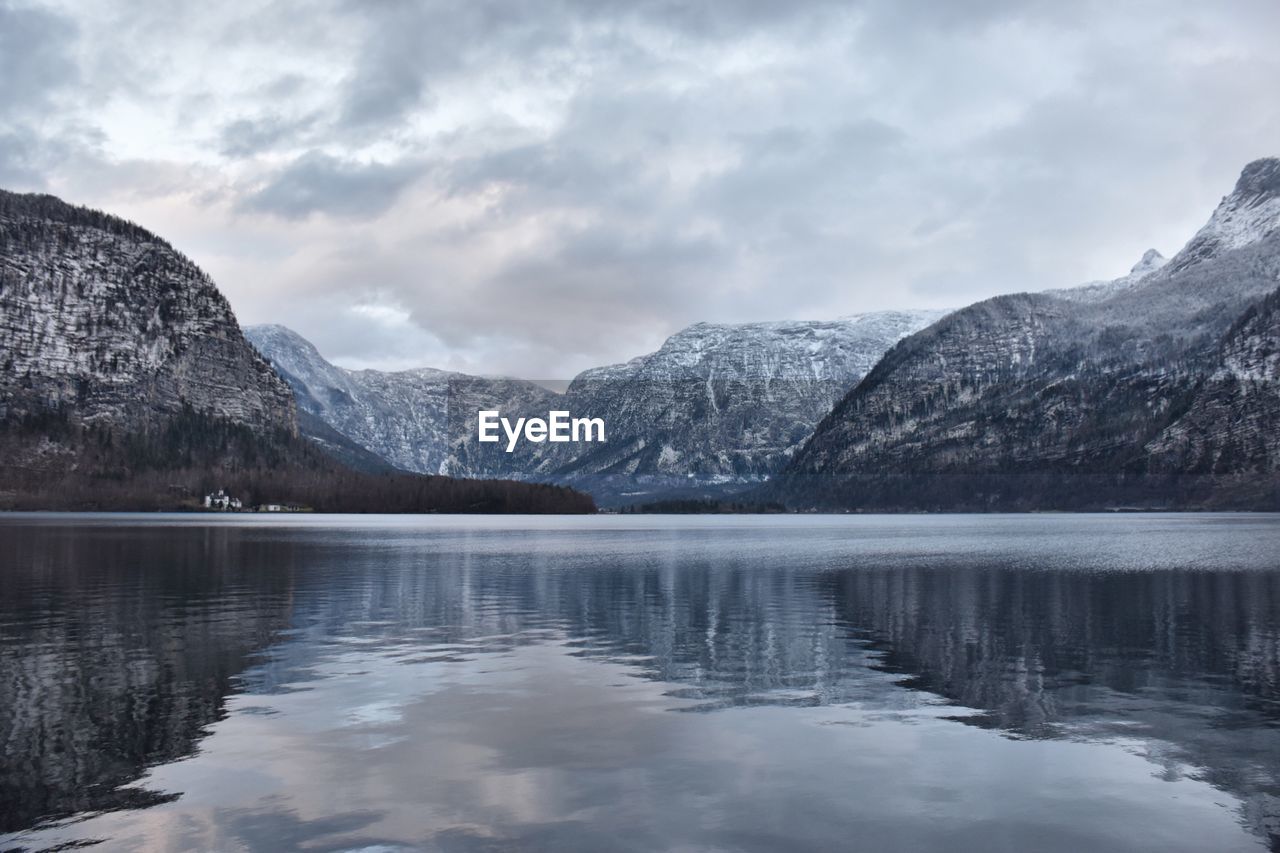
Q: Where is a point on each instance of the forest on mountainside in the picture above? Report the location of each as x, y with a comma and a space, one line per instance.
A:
52, 461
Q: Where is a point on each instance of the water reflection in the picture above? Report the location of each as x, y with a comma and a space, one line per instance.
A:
475, 687
116, 652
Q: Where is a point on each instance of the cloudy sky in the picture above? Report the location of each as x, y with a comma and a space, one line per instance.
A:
538, 187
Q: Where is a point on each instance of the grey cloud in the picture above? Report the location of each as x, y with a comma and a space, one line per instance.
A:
837, 209
533, 178
409, 45
545, 309
319, 183
645, 269
786, 168
405, 44
284, 86
730, 19
537, 188
246, 137
387, 84
568, 172
35, 57
19, 162
31, 160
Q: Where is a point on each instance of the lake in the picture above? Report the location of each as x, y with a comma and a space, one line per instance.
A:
645, 683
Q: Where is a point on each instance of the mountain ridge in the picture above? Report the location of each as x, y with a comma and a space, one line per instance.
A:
1036, 401
401, 416
717, 404
1248, 213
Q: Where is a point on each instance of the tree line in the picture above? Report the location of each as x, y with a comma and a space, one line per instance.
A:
53, 461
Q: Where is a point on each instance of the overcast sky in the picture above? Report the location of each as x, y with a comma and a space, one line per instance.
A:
537, 187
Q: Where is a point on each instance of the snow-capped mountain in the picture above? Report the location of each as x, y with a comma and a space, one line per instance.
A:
1250, 213
716, 405
786, 350
1095, 291
404, 416
1150, 261
720, 404
1045, 399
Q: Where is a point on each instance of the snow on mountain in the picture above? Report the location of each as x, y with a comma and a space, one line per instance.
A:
1039, 400
720, 404
715, 404
1151, 262
404, 416
789, 349
1250, 213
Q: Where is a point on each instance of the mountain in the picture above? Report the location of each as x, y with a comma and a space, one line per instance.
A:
102, 316
1246, 216
1150, 262
402, 417
1158, 392
716, 407
1230, 428
128, 384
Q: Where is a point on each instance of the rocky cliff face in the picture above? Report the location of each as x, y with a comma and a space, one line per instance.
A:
105, 320
1231, 427
1036, 400
716, 405
720, 405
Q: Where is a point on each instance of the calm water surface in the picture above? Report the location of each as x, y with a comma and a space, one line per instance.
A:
641, 683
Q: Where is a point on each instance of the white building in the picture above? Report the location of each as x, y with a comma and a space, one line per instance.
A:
220, 500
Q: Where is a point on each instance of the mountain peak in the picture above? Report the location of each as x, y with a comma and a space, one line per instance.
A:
273, 338
1249, 214
1151, 261
1259, 181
